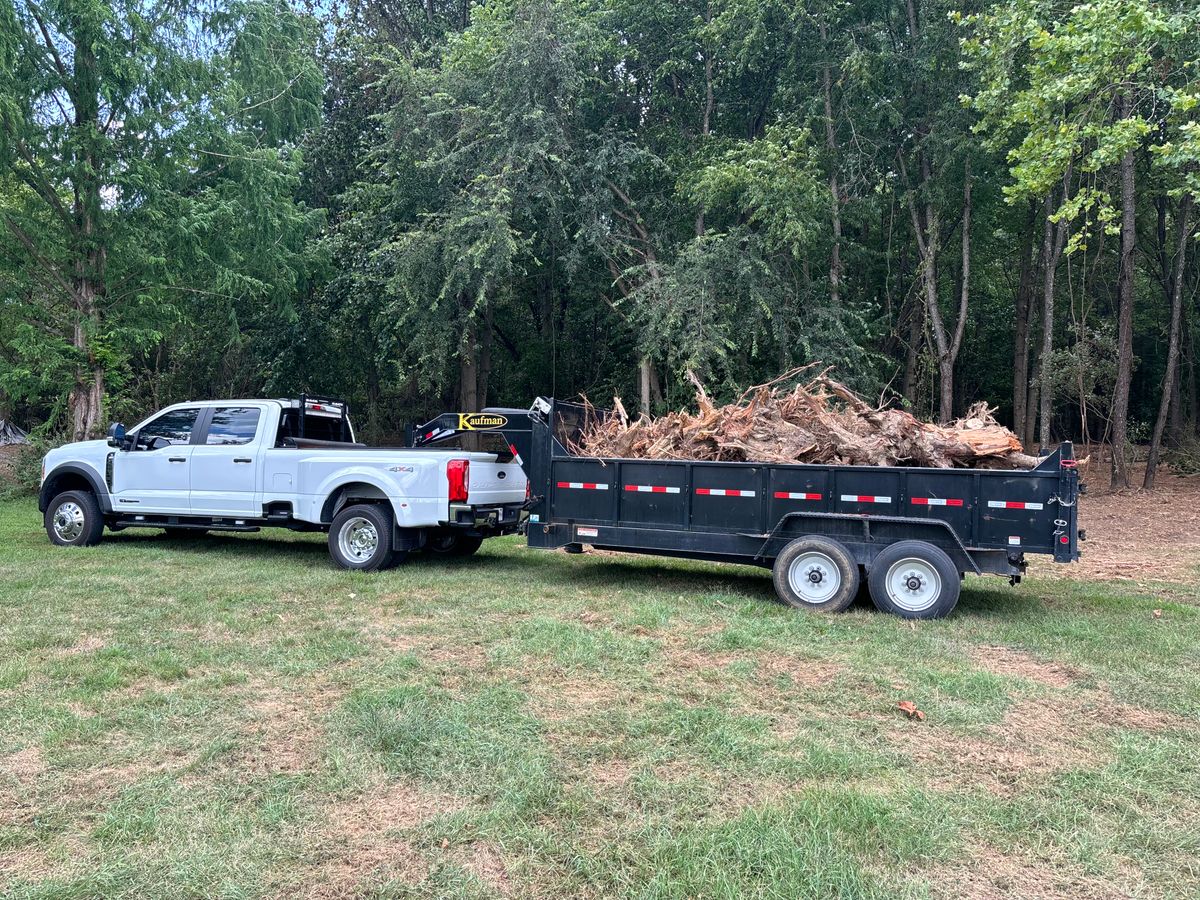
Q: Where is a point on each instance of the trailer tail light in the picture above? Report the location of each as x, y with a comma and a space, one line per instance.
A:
528, 490
458, 474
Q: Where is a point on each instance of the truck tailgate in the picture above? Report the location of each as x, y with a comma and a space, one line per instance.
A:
493, 483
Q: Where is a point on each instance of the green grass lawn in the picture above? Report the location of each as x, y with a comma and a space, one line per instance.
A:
232, 716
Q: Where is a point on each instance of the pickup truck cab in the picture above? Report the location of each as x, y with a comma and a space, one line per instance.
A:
242, 465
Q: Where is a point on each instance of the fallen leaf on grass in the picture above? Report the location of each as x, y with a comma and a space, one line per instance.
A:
910, 709
445, 843
1158, 614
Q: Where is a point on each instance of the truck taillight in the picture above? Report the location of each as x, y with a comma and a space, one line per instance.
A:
458, 474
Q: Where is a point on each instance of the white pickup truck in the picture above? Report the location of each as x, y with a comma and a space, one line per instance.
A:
241, 465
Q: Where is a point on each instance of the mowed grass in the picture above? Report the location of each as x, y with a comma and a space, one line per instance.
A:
231, 716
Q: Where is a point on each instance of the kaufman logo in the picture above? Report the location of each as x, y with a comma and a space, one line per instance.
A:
480, 421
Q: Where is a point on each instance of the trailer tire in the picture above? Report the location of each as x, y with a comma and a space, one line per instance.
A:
817, 574
360, 537
914, 580
453, 544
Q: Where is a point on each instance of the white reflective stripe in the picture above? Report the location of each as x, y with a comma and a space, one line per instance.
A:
723, 492
864, 498
651, 489
1013, 504
585, 485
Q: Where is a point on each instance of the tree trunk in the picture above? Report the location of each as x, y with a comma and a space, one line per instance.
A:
86, 399
1021, 326
709, 103
1053, 240
1173, 337
646, 375
835, 197
1120, 406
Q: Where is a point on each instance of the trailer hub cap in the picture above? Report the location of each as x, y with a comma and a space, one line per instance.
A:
814, 577
68, 521
913, 584
358, 539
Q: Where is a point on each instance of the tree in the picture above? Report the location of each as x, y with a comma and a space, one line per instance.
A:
138, 134
1074, 89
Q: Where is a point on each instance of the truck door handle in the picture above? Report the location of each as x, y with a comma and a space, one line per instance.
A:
177, 459
242, 459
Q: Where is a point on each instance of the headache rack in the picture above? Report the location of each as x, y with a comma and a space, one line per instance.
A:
308, 403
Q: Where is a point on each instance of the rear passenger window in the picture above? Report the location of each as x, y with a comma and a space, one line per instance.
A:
233, 425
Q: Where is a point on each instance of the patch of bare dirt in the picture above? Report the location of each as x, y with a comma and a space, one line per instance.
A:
993, 875
571, 696
359, 841
88, 643
1136, 535
285, 731
486, 864
813, 673
25, 765
1036, 738
31, 863
1010, 661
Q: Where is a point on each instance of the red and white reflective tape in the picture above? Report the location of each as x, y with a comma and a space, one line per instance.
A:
652, 489
864, 498
512, 448
935, 501
723, 492
583, 485
1013, 504
795, 495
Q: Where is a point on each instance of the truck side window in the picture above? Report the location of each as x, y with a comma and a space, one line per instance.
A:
232, 425
174, 426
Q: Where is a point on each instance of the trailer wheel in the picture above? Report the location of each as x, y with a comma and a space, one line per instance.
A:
360, 537
914, 580
816, 573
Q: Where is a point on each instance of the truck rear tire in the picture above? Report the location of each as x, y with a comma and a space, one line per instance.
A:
360, 537
453, 544
73, 519
817, 574
914, 580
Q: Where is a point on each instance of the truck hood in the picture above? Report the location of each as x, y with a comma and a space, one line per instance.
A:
78, 449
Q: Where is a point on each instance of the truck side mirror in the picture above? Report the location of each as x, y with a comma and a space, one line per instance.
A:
116, 434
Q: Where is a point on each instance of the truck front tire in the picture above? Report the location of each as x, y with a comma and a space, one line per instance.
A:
914, 580
817, 574
360, 537
73, 519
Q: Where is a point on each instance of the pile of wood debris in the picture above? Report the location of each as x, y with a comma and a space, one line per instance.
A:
816, 421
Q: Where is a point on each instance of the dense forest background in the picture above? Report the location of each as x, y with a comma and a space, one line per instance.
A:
421, 205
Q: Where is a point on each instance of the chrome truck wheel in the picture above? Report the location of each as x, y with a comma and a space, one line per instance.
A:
360, 537
73, 519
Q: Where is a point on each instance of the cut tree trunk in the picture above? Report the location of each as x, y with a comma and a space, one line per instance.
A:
820, 421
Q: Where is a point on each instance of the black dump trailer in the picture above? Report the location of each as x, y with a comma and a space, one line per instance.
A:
911, 533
